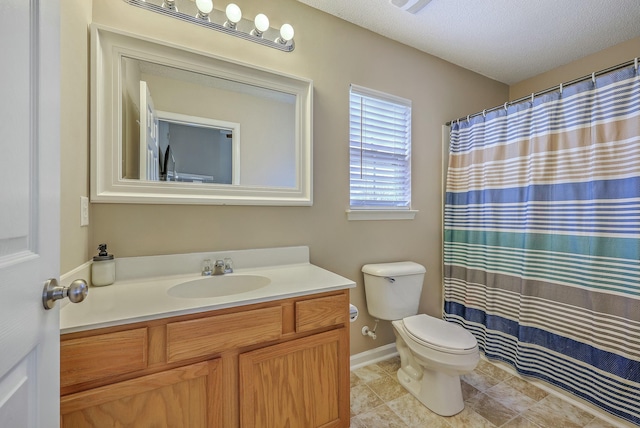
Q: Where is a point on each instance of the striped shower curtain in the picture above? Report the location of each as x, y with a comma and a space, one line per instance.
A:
542, 238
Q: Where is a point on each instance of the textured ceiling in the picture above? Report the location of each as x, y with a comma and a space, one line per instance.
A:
507, 40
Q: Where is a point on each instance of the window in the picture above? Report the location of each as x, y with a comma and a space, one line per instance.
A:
380, 155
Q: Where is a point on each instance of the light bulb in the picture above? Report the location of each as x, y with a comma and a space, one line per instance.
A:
262, 22
233, 12
204, 8
286, 33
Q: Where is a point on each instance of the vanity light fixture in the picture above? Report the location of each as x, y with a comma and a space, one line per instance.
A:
201, 12
233, 14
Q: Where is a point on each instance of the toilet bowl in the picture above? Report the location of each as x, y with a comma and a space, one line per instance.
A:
433, 353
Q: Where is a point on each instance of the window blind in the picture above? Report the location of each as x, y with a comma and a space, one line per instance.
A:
380, 150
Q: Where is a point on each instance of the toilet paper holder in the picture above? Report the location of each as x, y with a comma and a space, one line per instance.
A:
353, 313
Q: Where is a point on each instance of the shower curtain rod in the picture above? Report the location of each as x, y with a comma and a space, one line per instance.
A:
551, 89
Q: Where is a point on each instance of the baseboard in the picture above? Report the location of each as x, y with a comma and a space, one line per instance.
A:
373, 356
570, 398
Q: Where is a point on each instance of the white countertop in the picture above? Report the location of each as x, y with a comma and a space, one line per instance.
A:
141, 299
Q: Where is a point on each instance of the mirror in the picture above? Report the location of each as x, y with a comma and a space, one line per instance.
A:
171, 125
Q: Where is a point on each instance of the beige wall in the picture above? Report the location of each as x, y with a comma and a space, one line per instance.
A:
599, 61
333, 54
74, 131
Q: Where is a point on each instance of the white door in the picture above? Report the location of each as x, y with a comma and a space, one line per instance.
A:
149, 150
29, 211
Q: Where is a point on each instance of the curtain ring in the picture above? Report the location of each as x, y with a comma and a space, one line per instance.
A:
593, 77
467, 118
484, 112
532, 95
505, 105
635, 64
561, 89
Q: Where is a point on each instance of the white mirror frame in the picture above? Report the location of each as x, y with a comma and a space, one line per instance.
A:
108, 47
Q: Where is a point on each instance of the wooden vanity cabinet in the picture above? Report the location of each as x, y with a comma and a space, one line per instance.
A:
274, 364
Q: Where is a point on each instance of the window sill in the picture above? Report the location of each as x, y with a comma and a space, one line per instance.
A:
381, 214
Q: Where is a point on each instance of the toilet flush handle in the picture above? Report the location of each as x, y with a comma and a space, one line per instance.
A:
391, 280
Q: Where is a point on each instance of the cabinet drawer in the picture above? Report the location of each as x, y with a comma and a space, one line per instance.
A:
321, 312
103, 355
208, 336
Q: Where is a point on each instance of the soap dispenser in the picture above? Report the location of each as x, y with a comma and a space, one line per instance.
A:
103, 268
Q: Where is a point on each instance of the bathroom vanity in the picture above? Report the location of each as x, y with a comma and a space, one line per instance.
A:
263, 358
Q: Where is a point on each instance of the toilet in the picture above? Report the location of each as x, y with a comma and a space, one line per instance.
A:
433, 352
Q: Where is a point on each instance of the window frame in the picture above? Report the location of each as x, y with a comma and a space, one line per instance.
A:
375, 212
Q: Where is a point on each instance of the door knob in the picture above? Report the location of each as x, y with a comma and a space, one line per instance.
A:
76, 292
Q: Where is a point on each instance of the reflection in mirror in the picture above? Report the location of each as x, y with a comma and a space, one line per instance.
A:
167, 107
197, 150
171, 125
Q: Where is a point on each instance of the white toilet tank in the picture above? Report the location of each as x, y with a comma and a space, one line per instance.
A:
393, 289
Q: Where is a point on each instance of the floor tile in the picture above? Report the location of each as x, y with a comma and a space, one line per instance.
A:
355, 380
468, 418
480, 380
381, 417
391, 366
552, 411
491, 409
493, 398
468, 391
493, 370
415, 414
363, 399
510, 397
369, 373
526, 388
356, 423
387, 388
599, 423
519, 422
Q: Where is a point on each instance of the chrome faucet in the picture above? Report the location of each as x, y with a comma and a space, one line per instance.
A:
206, 268
220, 267
228, 265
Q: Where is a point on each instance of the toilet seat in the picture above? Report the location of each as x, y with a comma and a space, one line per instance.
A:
439, 335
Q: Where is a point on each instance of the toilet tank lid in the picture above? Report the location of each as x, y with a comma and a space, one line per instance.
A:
393, 269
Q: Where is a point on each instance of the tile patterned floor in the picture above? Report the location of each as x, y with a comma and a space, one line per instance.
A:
493, 398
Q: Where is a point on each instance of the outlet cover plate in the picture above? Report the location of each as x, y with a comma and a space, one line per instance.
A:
84, 211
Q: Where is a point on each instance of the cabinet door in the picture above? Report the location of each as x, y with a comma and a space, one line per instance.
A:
303, 383
187, 397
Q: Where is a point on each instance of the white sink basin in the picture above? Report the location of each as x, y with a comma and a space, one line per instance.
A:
218, 286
